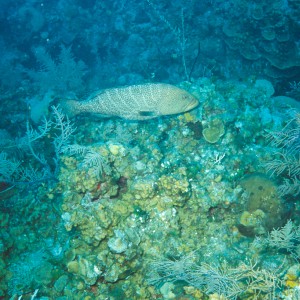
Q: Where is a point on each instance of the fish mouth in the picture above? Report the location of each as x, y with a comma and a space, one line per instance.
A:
194, 103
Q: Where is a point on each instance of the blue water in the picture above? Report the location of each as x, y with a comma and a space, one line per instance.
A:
202, 204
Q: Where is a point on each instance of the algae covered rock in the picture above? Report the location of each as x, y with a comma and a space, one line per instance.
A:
87, 268
176, 186
214, 131
119, 243
44, 273
60, 283
252, 223
144, 188
265, 86
124, 241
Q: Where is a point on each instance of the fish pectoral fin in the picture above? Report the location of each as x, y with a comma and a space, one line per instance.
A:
147, 113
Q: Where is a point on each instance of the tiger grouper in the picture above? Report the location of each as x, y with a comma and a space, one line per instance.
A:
135, 102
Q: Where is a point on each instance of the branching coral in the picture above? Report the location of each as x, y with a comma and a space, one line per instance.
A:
286, 160
39, 166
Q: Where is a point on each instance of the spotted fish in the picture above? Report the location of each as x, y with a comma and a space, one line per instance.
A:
135, 102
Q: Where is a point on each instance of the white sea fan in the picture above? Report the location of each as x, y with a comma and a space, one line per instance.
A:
8, 167
286, 160
94, 160
74, 149
65, 128
285, 238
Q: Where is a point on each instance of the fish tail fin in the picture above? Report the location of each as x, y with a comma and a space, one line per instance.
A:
70, 107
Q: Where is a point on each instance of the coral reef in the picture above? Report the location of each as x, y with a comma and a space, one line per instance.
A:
196, 205
131, 201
